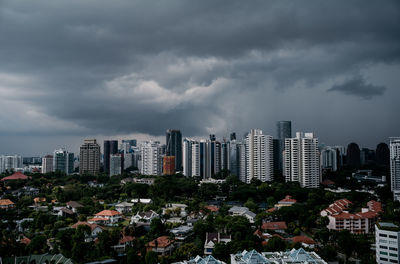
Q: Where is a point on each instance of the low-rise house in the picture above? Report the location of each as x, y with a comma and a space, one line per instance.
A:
304, 241
64, 211
141, 200
212, 239
124, 207
287, 201
38, 200
357, 223
6, 204
123, 243
174, 209
182, 233
279, 227
144, 217
212, 208
74, 206
242, 211
95, 230
162, 245
106, 217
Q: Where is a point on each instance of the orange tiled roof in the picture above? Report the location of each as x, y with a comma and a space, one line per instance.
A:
212, 208
274, 226
126, 239
25, 241
288, 199
303, 239
95, 219
162, 242
108, 213
16, 176
4, 202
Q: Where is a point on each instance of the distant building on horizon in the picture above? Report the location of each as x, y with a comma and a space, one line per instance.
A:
395, 167
10, 162
382, 155
174, 147
329, 157
353, 155
301, 160
115, 164
89, 158
63, 161
283, 131
110, 147
169, 165
151, 158
47, 164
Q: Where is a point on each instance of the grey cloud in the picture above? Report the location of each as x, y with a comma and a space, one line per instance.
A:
358, 87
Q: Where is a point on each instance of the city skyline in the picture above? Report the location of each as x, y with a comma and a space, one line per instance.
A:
138, 67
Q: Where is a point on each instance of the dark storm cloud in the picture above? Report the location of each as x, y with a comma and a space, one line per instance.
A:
358, 87
106, 67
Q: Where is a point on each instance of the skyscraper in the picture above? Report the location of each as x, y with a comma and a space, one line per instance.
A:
174, 147
47, 164
259, 156
395, 166
329, 157
383, 155
89, 159
168, 165
115, 164
110, 147
283, 131
151, 158
63, 161
301, 160
225, 155
353, 155
8, 163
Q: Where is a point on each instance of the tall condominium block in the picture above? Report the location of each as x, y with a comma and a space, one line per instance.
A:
301, 160
329, 157
63, 161
225, 155
353, 155
110, 147
187, 157
115, 164
47, 164
89, 160
387, 240
174, 147
11, 162
234, 158
259, 156
395, 167
169, 165
151, 158
283, 131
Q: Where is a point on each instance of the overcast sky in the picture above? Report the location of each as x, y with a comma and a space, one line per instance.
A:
131, 69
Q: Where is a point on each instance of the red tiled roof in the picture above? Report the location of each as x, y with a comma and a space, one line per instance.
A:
108, 213
126, 239
303, 239
212, 208
288, 199
274, 226
95, 219
375, 206
16, 176
25, 241
271, 210
162, 242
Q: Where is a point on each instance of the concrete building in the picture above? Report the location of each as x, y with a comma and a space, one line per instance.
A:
174, 147
234, 157
328, 158
10, 162
115, 164
259, 156
151, 158
63, 161
47, 164
301, 160
395, 167
169, 165
225, 155
110, 147
89, 159
387, 239
283, 131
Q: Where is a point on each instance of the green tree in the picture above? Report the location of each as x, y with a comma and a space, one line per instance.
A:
151, 257
38, 245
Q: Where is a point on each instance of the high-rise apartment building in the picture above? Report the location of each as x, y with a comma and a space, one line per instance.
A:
174, 147
283, 131
63, 161
259, 156
47, 164
11, 162
169, 165
225, 155
89, 159
110, 147
395, 167
301, 160
115, 164
151, 158
382, 155
387, 240
328, 159
353, 155
234, 157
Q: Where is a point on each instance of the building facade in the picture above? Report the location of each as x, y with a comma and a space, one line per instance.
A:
110, 147
283, 131
169, 165
387, 240
151, 158
301, 160
395, 167
10, 162
89, 158
47, 164
115, 164
174, 147
63, 161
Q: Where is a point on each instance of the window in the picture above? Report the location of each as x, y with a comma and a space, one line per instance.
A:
384, 259
383, 253
382, 235
392, 255
383, 247
392, 236
394, 249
